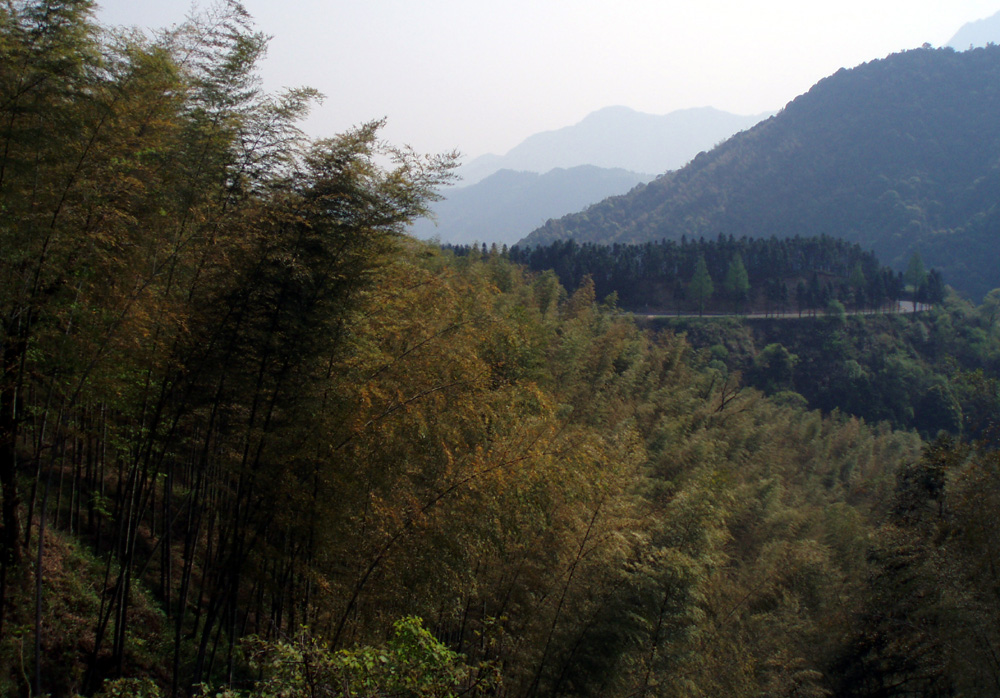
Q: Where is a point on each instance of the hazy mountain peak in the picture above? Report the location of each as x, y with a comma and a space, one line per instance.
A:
977, 33
613, 113
508, 204
617, 137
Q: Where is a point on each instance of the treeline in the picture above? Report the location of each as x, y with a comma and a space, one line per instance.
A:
253, 436
727, 275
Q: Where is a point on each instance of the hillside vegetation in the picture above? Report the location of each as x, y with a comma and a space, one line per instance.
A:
812, 320
256, 442
899, 155
728, 276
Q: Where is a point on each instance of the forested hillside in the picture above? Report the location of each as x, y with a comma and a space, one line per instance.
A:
255, 441
923, 371
851, 348
899, 155
763, 276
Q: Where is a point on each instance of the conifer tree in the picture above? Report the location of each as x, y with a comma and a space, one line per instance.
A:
701, 288
737, 283
916, 273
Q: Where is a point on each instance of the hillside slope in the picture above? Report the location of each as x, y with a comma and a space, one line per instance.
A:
508, 205
899, 154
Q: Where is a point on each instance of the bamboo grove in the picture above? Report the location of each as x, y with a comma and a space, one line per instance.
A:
253, 436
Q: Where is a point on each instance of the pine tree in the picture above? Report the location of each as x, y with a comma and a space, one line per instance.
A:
737, 283
916, 273
701, 287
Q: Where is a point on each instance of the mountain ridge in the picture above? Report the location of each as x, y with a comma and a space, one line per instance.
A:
977, 34
508, 204
898, 154
616, 137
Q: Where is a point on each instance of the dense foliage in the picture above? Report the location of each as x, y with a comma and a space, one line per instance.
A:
920, 371
764, 276
252, 436
899, 155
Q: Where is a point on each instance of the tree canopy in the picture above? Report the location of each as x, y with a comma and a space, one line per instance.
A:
759, 275
255, 441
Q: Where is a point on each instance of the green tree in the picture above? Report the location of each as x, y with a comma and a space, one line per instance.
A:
916, 273
858, 283
857, 278
411, 664
774, 369
700, 289
990, 308
737, 283
935, 290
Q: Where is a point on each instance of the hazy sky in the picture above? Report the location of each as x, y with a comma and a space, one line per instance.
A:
481, 75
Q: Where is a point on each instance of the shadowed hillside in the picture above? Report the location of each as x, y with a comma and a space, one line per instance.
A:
898, 155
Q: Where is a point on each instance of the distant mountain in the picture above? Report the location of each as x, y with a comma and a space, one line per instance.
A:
507, 205
977, 34
617, 137
900, 154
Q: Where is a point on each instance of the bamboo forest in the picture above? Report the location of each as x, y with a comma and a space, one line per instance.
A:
255, 440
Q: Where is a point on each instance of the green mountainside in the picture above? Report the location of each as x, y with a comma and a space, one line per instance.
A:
898, 155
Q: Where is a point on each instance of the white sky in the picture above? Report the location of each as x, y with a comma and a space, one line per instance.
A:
481, 75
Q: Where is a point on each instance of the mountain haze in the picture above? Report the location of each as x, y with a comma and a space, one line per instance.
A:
508, 205
617, 137
899, 155
977, 34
